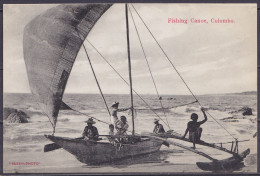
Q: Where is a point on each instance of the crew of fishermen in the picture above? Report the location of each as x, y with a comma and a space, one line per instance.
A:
91, 133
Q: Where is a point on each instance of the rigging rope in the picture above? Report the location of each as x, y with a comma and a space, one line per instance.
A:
177, 70
172, 106
124, 80
95, 75
89, 116
149, 68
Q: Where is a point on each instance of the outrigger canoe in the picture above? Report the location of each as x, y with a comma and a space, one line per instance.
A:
96, 152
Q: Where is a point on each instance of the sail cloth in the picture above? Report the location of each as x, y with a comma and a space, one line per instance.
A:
51, 43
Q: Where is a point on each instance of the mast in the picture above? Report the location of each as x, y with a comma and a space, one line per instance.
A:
129, 68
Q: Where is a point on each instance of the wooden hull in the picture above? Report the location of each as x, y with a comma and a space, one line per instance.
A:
90, 152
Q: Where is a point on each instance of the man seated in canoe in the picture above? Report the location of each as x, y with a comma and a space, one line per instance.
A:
90, 132
193, 127
121, 126
115, 109
111, 133
158, 128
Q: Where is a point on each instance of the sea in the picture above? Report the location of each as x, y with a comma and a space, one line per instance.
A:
23, 143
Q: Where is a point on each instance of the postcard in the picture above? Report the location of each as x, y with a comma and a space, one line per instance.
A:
130, 88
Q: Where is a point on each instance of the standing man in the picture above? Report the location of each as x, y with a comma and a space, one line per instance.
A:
90, 132
115, 109
193, 127
158, 128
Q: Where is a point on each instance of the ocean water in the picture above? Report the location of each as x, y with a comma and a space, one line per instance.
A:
25, 142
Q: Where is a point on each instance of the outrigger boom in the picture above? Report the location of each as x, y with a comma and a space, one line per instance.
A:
234, 148
216, 165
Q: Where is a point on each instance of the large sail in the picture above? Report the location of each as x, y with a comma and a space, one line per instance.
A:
51, 43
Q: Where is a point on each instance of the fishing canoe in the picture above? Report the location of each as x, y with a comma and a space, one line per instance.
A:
96, 152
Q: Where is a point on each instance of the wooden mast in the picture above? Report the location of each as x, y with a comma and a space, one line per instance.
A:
129, 68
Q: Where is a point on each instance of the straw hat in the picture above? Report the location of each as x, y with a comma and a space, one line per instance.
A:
156, 120
115, 104
90, 120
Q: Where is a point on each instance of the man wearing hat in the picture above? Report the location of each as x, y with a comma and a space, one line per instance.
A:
158, 128
90, 132
115, 109
193, 127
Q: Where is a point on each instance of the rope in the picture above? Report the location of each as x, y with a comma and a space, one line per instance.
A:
232, 141
89, 116
149, 67
171, 107
124, 80
95, 76
178, 71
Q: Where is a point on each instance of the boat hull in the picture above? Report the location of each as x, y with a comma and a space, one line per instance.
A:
92, 152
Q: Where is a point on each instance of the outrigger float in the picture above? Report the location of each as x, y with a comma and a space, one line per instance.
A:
52, 41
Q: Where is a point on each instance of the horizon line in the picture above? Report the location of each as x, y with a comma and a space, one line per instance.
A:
140, 94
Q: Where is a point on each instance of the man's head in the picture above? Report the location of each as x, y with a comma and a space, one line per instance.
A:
111, 127
90, 122
123, 119
156, 121
194, 117
115, 105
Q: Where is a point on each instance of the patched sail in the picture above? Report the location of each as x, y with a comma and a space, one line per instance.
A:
51, 43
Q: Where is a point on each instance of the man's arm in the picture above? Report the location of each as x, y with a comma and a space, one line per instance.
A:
154, 129
84, 132
186, 131
205, 116
116, 124
96, 133
123, 109
124, 129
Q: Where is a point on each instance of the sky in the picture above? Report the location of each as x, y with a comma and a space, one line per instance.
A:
212, 58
